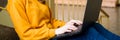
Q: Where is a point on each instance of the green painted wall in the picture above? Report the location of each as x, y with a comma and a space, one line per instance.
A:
5, 19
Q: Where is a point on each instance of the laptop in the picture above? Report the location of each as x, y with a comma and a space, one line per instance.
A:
90, 17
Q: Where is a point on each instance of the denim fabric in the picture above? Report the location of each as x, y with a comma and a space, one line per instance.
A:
96, 32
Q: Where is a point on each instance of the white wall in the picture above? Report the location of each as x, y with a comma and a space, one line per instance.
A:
67, 12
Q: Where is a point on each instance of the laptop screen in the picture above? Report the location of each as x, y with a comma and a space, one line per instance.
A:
91, 13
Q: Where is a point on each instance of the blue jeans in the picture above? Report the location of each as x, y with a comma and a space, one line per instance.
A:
96, 32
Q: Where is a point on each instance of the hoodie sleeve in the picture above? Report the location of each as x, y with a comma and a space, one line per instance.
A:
57, 23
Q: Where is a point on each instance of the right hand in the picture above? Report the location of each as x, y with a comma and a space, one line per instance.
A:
68, 27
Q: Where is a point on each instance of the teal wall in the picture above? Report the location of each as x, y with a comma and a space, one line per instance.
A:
5, 19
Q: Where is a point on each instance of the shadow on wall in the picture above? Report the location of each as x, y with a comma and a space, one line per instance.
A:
8, 33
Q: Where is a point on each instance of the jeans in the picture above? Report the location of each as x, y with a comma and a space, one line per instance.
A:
95, 32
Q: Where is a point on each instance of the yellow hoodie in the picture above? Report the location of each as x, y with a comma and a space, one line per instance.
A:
32, 20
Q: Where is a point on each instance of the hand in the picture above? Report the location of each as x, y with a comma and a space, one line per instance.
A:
68, 27
72, 22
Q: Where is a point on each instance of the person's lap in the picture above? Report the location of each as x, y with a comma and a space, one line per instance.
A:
96, 32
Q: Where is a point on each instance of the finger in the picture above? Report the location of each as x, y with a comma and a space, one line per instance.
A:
76, 21
80, 22
68, 30
72, 21
72, 28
